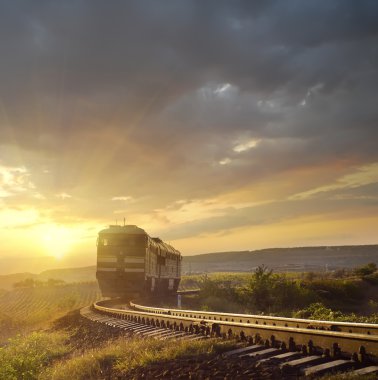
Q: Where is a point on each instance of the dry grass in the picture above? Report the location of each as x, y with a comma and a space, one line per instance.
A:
24, 356
123, 355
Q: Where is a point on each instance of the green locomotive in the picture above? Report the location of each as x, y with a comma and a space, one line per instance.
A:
129, 261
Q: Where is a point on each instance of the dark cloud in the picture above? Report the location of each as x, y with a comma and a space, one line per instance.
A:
132, 97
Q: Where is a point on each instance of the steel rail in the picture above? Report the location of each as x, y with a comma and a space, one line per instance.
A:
291, 336
188, 291
347, 327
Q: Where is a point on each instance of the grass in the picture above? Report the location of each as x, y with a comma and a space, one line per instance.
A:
24, 357
123, 355
193, 281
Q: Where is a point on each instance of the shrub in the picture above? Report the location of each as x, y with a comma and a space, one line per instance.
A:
321, 312
343, 294
366, 270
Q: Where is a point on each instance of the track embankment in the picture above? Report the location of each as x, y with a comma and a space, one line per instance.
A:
292, 346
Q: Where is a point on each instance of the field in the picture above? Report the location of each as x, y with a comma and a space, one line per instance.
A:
23, 309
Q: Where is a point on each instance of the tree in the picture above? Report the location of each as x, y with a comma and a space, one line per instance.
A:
54, 282
260, 286
366, 270
27, 283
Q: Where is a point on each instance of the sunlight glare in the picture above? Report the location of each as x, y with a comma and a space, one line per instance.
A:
57, 240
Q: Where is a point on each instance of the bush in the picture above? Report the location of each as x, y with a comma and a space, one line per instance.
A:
321, 312
366, 270
371, 278
343, 294
219, 295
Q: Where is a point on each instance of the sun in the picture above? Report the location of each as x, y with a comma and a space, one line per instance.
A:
57, 240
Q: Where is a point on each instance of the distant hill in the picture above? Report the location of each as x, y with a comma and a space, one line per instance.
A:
283, 259
31, 264
279, 259
68, 275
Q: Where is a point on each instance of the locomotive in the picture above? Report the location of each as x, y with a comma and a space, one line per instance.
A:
130, 261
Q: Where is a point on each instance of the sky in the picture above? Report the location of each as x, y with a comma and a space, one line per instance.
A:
216, 125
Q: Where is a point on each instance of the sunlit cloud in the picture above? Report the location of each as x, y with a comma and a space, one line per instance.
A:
364, 175
14, 180
247, 145
200, 209
16, 218
267, 104
63, 195
225, 161
39, 196
222, 88
125, 198
312, 91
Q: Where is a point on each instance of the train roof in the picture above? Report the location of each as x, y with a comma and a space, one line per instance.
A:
135, 230
167, 246
128, 229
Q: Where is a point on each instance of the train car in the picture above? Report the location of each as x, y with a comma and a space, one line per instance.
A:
130, 261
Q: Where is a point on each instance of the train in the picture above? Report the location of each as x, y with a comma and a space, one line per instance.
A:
129, 261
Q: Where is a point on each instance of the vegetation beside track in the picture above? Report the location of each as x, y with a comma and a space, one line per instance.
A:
342, 295
24, 356
76, 348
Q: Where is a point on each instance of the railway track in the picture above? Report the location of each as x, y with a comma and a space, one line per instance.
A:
303, 346
347, 327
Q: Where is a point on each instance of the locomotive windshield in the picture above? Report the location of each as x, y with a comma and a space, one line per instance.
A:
122, 240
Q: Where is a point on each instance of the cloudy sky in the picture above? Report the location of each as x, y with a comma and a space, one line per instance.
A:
217, 125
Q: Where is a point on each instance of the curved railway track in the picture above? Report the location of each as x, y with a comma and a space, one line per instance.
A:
313, 346
347, 327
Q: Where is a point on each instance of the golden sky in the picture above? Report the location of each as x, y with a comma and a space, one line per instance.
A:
217, 126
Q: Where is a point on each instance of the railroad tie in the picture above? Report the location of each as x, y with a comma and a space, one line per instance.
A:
333, 366
286, 356
243, 350
263, 354
366, 371
304, 362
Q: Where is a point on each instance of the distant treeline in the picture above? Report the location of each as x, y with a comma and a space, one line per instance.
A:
51, 282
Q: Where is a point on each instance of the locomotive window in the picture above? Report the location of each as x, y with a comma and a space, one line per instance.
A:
102, 241
126, 241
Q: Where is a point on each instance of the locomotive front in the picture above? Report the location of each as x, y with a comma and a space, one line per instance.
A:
121, 254
129, 261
